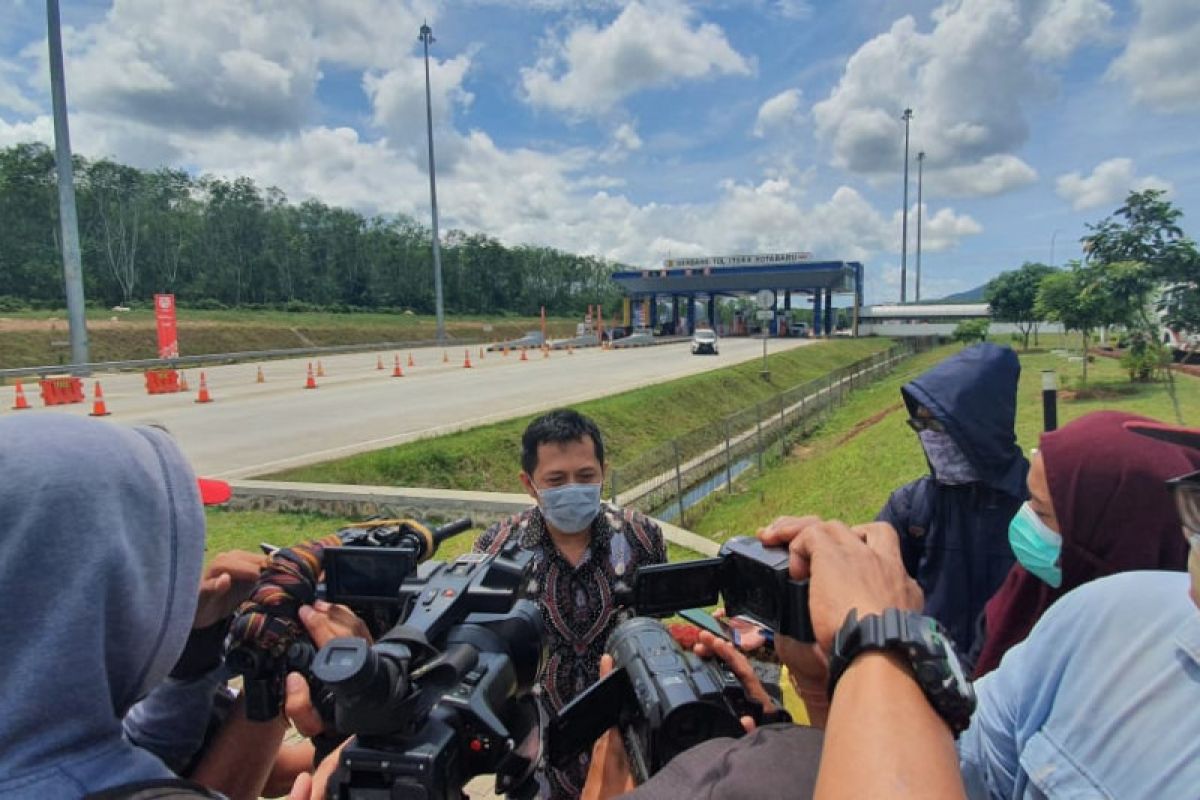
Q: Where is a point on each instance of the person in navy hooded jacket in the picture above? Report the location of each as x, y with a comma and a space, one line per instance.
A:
953, 522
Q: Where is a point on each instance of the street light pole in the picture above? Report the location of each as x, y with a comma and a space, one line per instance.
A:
907, 117
920, 176
1053, 236
67, 218
426, 38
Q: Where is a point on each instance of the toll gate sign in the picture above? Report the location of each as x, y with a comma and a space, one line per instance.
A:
164, 317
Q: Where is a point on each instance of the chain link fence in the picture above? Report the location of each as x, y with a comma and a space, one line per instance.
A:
673, 477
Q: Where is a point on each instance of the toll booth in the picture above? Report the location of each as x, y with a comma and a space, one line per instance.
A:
691, 286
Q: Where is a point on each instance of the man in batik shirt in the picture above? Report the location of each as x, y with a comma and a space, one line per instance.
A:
584, 552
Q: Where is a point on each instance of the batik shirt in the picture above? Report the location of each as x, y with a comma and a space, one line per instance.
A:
578, 606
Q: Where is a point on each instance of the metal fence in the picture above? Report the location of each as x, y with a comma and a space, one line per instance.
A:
673, 477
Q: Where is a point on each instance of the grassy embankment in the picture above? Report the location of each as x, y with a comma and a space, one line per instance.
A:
39, 338
486, 458
865, 449
243, 530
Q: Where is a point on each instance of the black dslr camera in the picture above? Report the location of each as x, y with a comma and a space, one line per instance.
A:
663, 699
445, 695
751, 579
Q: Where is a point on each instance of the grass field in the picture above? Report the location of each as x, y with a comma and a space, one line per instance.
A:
39, 338
243, 530
486, 458
865, 450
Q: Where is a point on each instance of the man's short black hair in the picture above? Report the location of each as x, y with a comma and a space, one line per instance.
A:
559, 426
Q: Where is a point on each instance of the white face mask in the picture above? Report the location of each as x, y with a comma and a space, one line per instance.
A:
572, 507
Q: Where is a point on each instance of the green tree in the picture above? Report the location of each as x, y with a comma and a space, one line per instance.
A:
1078, 298
1146, 230
1012, 297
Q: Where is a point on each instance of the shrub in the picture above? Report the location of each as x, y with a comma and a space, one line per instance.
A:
971, 330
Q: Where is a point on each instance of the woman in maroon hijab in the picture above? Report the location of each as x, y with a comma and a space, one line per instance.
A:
1098, 505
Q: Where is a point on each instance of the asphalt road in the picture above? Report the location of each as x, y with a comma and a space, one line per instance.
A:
250, 428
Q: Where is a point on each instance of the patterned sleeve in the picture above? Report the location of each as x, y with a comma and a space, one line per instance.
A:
491, 540
649, 535
485, 539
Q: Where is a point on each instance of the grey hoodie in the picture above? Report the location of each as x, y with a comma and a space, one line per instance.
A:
101, 548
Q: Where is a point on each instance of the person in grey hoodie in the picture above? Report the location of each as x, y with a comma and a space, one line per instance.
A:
101, 551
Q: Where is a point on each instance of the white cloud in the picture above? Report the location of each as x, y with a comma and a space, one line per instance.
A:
11, 97
1109, 183
793, 9
40, 129
779, 113
941, 230
196, 66
627, 137
990, 175
966, 81
1065, 25
398, 104
591, 69
1159, 64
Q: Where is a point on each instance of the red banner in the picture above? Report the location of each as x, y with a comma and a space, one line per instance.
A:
164, 316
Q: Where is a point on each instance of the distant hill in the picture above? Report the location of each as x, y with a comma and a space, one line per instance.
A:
969, 296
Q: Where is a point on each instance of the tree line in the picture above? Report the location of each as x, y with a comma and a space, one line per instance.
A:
1140, 275
216, 242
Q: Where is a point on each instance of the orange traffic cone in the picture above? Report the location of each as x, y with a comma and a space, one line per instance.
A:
20, 403
98, 407
203, 396
311, 382
466, 359
379, 362
411, 363
320, 370
396, 371
445, 357
183, 384
505, 351
260, 378
524, 357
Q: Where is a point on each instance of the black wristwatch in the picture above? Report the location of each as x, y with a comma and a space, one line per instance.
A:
927, 648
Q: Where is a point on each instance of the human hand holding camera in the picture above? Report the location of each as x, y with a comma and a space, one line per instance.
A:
847, 568
228, 581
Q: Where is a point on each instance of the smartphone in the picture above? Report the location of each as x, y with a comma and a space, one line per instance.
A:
706, 621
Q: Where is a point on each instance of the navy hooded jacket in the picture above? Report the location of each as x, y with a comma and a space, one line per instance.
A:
954, 539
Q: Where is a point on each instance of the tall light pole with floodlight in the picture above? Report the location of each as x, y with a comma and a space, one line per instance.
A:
426, 38
920, 177
907, 117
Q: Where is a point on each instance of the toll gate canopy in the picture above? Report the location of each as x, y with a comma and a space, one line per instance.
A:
784, 274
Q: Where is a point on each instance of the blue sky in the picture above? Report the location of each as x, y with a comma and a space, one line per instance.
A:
638, 130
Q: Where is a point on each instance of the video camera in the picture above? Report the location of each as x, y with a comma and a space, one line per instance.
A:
752, 580
364, 565
663, 699
446, 694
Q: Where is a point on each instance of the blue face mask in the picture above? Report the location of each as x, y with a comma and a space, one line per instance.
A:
572, 507
1036, 546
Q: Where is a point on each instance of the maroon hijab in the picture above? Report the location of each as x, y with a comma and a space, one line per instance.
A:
1114, 512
